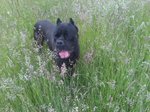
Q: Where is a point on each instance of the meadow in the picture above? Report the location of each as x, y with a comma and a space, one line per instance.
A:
112, 74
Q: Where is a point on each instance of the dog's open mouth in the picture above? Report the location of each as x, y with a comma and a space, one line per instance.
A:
64, 54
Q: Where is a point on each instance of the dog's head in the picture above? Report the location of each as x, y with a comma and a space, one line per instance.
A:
66, 39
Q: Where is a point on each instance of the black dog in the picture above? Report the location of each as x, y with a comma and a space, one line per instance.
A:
62, 39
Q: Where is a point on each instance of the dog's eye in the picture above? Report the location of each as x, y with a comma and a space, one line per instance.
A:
56, 35
71, 39
54, 39
65, 34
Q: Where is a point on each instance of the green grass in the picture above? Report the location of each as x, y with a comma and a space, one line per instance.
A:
113, 73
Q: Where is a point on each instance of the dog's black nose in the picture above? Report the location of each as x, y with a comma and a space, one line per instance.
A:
60, 43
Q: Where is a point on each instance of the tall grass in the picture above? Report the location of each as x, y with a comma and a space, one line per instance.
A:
112, 75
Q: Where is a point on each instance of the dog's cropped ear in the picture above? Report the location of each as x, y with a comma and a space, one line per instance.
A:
58, 21
71, 21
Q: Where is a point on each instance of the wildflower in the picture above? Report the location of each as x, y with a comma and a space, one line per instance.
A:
112, 84
75, 109
23, 35
84, 107
95, 108
88, 57
117, 108
130, 101
63, 69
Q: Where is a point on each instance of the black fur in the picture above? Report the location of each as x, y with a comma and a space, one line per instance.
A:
59, 37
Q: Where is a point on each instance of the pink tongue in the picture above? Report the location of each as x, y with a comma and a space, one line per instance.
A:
64, 54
